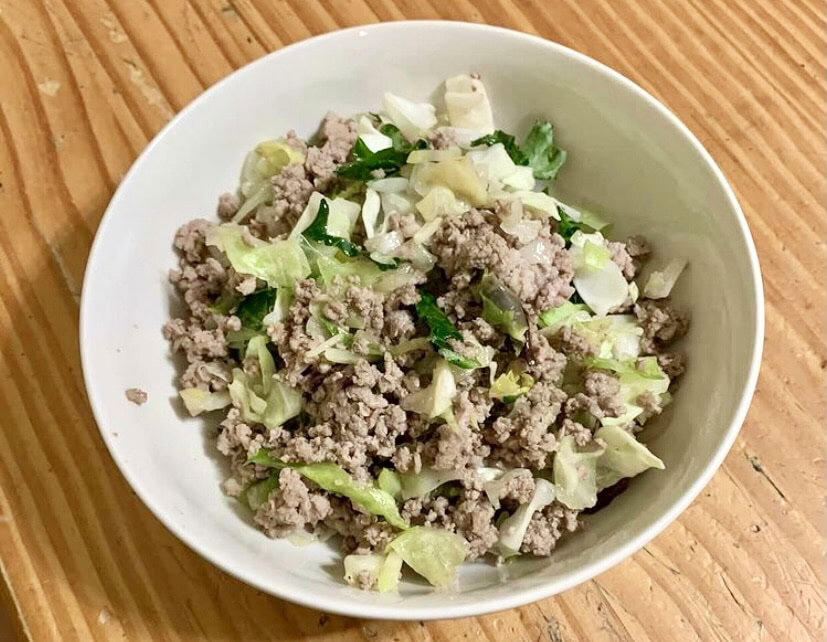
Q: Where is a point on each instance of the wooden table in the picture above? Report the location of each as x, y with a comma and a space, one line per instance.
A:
85, 84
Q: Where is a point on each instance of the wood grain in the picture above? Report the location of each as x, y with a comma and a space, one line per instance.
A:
85, 84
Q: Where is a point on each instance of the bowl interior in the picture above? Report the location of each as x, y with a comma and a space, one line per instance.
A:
628, 158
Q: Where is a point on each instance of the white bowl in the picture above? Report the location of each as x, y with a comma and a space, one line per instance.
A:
629, 158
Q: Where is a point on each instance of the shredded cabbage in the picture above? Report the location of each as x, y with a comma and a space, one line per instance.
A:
370, 213
599, 282
457, 174
435, 399
660, 282
525, 229
575, 474
510, 385
342, 216
512, 530
329, 268
197, 400
421, 483
389, 185
388, 480
440, 201
467, 103
414, 120
257, 494
279, 264
625, 456
434, 553
564, 314
383, 570
374, 139
538, 202
284, 297
494, 480
418, 156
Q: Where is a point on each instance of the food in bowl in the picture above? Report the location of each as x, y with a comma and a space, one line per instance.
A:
418, 347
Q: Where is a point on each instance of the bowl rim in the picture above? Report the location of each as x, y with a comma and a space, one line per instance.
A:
348, 606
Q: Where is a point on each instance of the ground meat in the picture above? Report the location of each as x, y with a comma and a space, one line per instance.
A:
672, 363
291, 507
443, 138
650, 404
291, 191
573, 344
524, 436
544, 362
582, 435
604, 388
337, 137
622, 258
539, 274
474, 520
406, 224
518, 488
458, 447
546, 527
662, 324
360, 531
228, 205
136, 396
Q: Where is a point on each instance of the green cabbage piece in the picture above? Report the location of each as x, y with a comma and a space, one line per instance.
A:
334, 479
366, 270
258, 493
510, 385
513, 529
624, 456
502, 308
197, 400
575, 474
388, 480
279, 264
433, 553
384, 570
421, 483
266, 400
564, 314
437, 397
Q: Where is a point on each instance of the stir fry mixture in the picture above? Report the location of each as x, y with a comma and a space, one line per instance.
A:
415, 345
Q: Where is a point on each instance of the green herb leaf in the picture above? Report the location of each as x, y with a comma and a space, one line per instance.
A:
317, 231
544, 157
390, 160
508, 142
254, 307
442, 331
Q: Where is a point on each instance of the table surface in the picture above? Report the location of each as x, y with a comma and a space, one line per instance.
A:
85, 84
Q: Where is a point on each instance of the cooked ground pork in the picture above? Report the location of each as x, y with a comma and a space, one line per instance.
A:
354, 413
136, 396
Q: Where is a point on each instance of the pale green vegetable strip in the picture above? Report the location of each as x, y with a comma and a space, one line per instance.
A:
433, 553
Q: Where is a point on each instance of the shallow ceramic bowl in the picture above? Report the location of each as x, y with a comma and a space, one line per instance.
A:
629, 158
